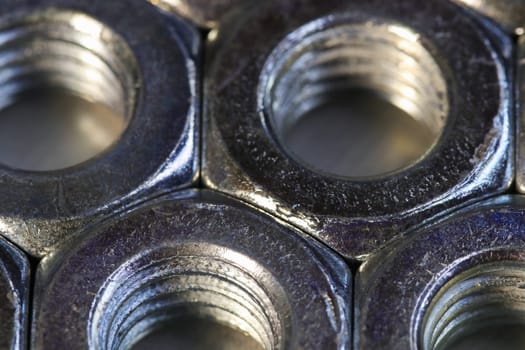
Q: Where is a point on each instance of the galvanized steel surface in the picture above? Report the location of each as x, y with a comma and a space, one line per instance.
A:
394, 289
157, 59
180, 254
472, 159
14, 297
123, 257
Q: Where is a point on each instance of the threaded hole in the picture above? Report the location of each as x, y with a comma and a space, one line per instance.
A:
482, 308
354, 100
181, 335
164, 289
68, 86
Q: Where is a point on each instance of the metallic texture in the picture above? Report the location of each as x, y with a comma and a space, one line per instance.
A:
192, 253
508, 13
465, 270
143, 65
204, 13
520, 87
460, 64
14, 297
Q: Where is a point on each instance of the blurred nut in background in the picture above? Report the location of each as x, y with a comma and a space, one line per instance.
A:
14, 297
204, 13
427, 103
194, 255
99, 106
448, 285
508, 13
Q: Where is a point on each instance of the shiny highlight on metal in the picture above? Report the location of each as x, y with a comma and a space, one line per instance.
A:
192, 254
142, 66
460, 274
437, 63
477, 299
386, 58
204, 13
508, 13
14, 297
71, 52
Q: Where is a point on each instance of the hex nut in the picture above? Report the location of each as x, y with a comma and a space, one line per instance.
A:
204, 13
14, 297
425, 290
508, 13
143, 64
192, 253
468, 96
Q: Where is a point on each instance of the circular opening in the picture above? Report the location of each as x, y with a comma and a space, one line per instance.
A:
188, 298
356, 100
482, 308
68, 87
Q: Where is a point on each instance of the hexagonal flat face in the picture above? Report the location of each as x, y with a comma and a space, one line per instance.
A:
278, 64
194, 256
116, 100
459, 276
14, 297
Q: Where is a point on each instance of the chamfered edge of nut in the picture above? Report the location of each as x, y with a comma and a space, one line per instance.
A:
326, 263
394, 287
510, 14
39, 233
494, 173
15, 291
